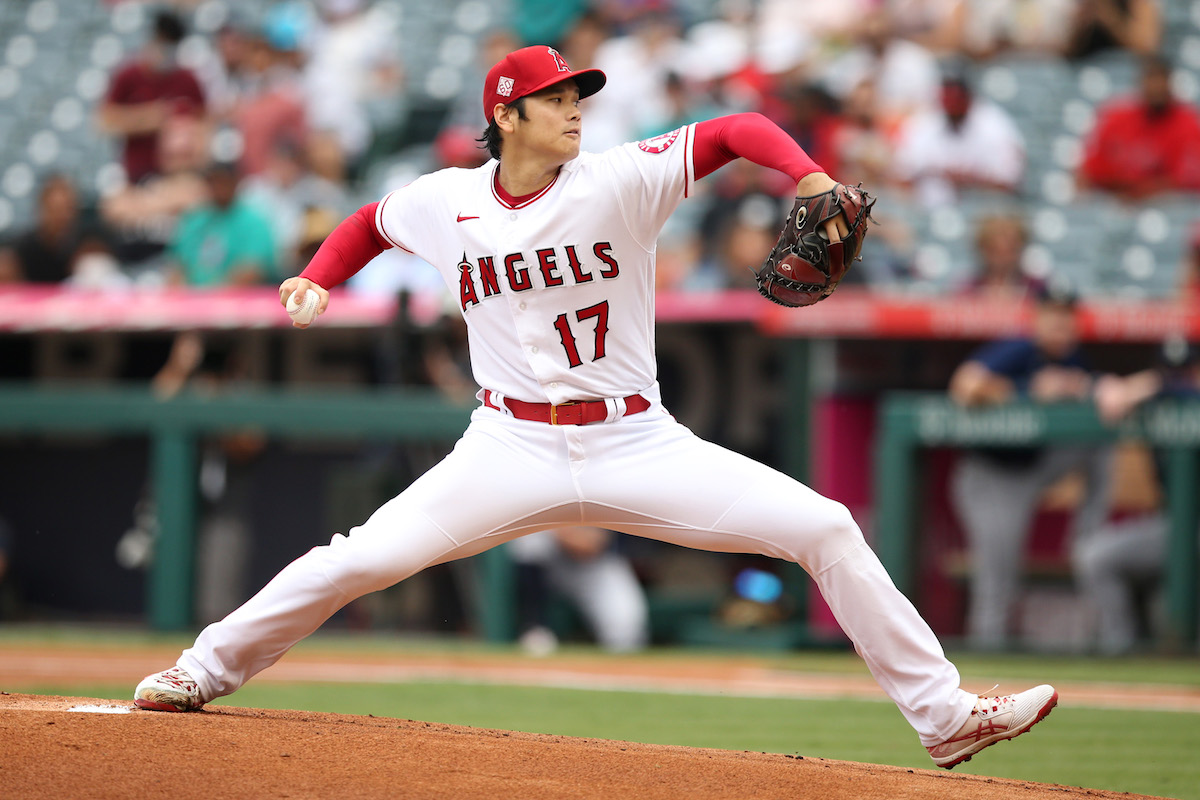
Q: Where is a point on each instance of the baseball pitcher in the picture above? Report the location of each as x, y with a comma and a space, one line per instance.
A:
550, 254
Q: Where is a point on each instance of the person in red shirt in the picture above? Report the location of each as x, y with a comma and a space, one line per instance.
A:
144, 92
1145, 144
1190, 275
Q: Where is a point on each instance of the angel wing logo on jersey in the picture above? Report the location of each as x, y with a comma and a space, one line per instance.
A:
504, 87
657, 144
559, 61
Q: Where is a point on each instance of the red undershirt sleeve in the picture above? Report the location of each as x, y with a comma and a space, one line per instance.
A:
347, 249
751, 136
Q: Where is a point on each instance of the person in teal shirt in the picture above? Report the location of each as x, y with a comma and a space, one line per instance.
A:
225, 242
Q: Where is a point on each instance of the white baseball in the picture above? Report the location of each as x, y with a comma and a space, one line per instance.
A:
304, 310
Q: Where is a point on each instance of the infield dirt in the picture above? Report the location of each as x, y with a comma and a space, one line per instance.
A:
227, 752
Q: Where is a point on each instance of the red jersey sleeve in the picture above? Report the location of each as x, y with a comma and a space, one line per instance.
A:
347, 249
753, 137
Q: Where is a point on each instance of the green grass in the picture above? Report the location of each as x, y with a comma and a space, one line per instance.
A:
1131, 751
1119, 750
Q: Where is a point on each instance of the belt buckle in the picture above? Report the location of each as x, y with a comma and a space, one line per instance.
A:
554, 410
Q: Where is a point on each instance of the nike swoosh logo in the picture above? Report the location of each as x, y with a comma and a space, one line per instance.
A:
461, 218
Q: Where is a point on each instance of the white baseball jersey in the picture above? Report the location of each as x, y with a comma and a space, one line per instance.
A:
558, 290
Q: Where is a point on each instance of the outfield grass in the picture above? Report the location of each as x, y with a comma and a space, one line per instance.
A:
1132, 751
1120, 750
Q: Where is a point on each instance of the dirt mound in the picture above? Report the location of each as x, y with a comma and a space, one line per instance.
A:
226, 752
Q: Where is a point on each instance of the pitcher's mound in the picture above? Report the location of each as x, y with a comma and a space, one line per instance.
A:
224, 752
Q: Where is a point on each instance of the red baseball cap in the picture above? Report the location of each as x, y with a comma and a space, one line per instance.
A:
531, 69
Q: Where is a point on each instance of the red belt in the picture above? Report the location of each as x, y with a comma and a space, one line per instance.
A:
577, 412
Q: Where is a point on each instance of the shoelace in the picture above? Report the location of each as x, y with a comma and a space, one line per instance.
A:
174, 677
997, 702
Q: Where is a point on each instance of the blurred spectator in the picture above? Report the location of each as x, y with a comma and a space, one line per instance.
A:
967, 144
1120, 565
223, 68
1190, 273
224, 242
465, 110
811, 117
286, 190
326, 161
1000, 242
1028, 27
864, 143
144, 93
637, 65
353, 63
905, 74
581, 564
51, 251
270, 111
683, 108
545, 21
789, 35
143, 217
936, 25
721, 46
315, 226
996, 491
1144, 144
739, 234
579, 43
1100, 25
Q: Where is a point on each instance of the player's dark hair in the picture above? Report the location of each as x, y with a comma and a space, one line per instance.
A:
168, 27
490, 140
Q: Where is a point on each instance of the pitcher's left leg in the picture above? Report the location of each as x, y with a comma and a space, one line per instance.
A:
696, 494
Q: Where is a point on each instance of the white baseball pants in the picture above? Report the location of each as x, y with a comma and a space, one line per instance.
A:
643, 474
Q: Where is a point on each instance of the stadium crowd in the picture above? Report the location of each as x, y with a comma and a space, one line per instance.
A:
242, 146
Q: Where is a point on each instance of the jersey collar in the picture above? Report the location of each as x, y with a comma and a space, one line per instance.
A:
509, 201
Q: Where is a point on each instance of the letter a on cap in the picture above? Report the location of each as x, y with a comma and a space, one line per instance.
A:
559, 61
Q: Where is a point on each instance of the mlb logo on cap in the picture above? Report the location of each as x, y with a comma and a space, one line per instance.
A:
531, 69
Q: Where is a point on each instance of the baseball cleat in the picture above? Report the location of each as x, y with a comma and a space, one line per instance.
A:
995, 719
173, 690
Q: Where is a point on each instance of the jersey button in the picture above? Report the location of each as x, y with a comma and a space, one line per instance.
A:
512, 216
533, 349
522, 306
554, 385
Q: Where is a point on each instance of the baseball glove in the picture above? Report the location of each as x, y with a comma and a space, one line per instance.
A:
804, 267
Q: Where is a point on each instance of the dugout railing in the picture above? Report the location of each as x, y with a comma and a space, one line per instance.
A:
174, 427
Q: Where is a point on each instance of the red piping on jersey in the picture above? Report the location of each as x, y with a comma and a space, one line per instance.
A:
687, 133
377, 224
751, 136
510, 201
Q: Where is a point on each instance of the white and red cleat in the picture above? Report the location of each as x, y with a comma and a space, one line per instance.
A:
173, 690
995, 719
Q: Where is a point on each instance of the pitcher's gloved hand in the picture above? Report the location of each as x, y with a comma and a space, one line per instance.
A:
805, 266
